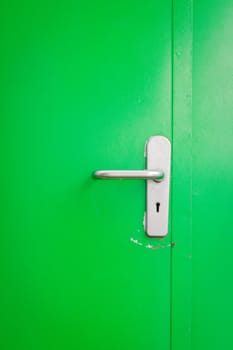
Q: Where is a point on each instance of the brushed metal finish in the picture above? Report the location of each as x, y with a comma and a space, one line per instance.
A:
158, 152
156, 175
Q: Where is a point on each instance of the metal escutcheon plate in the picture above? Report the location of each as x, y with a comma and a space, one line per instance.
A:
158, 153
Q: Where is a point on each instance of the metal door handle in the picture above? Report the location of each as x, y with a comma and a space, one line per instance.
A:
156, 175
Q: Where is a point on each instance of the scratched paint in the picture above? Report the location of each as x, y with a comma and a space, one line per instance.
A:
150, 246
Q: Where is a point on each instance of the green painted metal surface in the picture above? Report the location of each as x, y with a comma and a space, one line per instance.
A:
202, 263
181, 260
212, 290
83, 86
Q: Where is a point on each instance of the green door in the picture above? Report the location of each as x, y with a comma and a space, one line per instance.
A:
84, 85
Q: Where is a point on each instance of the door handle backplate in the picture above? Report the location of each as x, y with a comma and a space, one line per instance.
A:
158, 152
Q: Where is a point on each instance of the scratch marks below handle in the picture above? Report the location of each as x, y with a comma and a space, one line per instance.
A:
150, 246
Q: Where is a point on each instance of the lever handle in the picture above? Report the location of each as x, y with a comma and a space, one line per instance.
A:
156, 175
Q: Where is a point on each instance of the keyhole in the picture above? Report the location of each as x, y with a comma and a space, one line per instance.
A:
157, 207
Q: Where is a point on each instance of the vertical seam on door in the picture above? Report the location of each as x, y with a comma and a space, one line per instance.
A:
171, 251
171, 193
181, 189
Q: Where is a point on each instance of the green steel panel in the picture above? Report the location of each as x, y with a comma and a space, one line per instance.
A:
83, 86
202, 221
212, 290
181, 259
